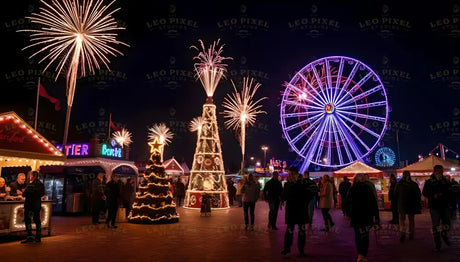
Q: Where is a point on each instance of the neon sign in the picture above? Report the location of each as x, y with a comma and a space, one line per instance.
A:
111, 151
75, 149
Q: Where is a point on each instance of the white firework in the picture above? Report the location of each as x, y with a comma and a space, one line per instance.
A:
76, 35
162, 132
123, 137
210, 67
240, 108
196, 124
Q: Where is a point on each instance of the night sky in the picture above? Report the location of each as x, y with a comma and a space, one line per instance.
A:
413, 48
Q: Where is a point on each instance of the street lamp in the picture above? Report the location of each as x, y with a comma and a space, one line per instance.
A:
265, 148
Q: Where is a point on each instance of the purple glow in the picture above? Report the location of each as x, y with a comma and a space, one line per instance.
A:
326, 110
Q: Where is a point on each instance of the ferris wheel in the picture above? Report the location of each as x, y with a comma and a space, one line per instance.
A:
334, 111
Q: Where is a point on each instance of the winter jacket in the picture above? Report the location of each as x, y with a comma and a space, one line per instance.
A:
297, 196
250, 191
326, 196
273, 190
438, 192
33, 194
343, 188
362, 205
391, 191
407, 195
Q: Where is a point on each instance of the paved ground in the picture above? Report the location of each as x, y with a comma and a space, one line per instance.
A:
221, 237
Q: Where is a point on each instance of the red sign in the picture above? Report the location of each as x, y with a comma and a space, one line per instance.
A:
11, 136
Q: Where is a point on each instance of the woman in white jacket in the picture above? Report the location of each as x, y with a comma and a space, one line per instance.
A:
326, 201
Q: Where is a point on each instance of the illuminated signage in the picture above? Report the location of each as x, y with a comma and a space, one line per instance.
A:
111, 151
75, 149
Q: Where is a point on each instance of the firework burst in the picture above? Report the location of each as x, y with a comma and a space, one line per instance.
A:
76, 35
123, 137
241, 110
162, 132
210, 67
196, 124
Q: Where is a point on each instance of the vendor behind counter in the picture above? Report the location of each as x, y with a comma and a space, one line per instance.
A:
17, 187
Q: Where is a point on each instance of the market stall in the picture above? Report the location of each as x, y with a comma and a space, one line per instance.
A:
376, 176
70, 184
23, 149
422, 170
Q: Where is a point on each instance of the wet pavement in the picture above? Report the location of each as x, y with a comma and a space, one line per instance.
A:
221, 237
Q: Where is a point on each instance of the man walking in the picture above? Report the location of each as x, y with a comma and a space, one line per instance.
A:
297, 197
343, 191
313, 191
97, 197
394, 200
272, 194
437, 190
32, 206
112, 192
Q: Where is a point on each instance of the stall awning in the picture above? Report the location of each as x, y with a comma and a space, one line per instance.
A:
358, 167
425, 167
21, 145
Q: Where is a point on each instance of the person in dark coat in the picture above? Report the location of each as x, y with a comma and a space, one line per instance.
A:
32, 206
97, 197
437, 189
272, 194
231, 191
297, 197
127, 191
394, 201
364, 213
313, 191
180, 192
343, 191
112, 193
408, 195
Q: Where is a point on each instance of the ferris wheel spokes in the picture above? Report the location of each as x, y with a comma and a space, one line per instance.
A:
355, 135
361, 106
304, 132
320, 95
377, 118
362, 95
345, 85
360, 126
320, 84
307, 94
360, 83
356, 151
326, 108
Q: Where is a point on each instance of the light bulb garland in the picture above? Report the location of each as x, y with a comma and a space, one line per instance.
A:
154, 202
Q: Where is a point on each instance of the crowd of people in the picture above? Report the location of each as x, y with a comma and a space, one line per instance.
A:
298, 195
107, 197
358, 202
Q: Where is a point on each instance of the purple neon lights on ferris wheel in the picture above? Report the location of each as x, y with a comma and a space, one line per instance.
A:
334, 111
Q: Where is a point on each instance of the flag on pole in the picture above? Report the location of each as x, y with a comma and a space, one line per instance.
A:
112, 125
42, 92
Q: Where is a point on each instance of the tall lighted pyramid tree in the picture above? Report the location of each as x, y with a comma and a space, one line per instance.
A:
208, 175
154, 203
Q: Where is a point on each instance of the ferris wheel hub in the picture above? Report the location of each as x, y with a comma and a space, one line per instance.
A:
329, 108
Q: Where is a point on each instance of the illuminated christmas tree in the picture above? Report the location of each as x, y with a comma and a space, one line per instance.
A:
154, 203
207, 175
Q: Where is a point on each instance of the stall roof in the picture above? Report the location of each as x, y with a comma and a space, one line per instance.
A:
19, 143
358, 167
426, 166
172, 166
185, 168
